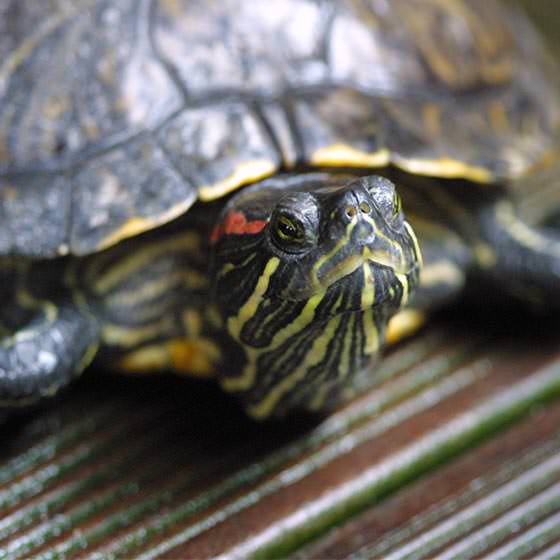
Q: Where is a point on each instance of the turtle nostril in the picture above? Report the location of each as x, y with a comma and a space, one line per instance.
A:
351, 211
365, 207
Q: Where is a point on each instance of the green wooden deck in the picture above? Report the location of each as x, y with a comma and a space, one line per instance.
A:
458, 435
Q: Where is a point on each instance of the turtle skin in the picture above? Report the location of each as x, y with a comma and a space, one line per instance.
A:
127, 125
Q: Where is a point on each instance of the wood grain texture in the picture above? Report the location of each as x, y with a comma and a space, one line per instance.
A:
168, 468
502, 499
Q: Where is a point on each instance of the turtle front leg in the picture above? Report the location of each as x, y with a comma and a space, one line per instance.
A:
46, 344
522, 259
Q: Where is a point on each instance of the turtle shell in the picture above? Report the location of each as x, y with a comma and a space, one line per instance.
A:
116, 115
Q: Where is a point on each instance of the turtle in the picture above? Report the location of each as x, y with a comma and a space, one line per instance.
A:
265, 193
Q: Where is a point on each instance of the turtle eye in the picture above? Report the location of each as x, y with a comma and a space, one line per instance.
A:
288, 232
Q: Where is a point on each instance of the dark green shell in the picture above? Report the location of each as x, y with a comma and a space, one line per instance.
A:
116, 115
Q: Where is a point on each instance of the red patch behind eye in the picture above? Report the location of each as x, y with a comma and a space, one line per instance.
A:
236, 223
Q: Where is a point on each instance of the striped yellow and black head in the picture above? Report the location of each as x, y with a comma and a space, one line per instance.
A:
308, 270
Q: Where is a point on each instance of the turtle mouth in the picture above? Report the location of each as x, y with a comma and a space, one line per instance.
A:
362, 273
369, 260
368, 264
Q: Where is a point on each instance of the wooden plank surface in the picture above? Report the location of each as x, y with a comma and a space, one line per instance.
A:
164, 467
501, 500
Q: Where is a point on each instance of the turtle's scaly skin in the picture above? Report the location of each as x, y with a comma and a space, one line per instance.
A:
285, 322
115, 115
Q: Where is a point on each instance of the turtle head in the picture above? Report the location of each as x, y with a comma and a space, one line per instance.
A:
308, 270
